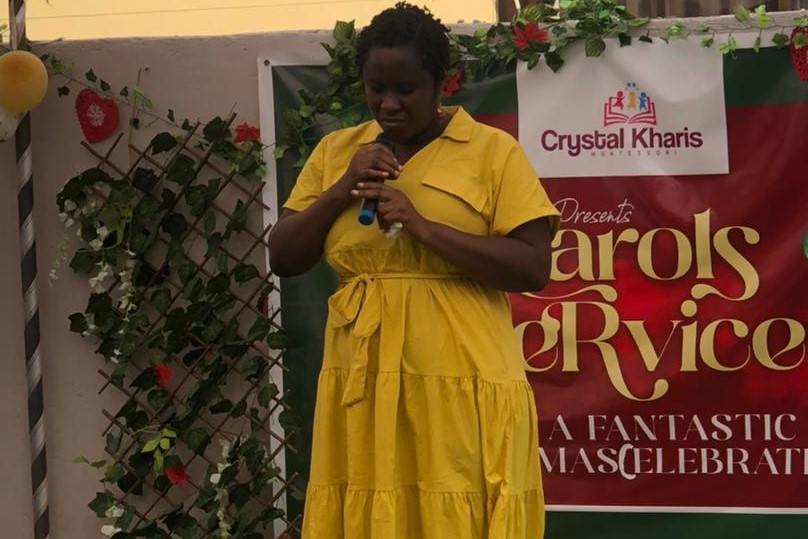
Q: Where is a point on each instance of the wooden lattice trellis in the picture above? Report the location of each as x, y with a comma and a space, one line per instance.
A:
225, 353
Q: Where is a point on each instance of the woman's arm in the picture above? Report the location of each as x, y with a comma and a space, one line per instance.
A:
297, 239
518, 262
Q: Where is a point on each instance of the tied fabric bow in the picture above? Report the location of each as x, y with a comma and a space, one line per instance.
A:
359, 302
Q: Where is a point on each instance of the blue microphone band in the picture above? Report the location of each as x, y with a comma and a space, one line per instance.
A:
367, 210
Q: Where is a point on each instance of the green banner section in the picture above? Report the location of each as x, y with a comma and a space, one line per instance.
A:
587, 525
759, 78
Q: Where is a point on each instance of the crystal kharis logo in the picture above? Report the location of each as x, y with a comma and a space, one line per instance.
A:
625, 131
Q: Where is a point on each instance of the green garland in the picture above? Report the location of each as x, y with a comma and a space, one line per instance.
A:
537, 34
151, 312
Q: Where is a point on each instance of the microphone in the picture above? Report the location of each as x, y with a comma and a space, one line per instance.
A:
367, 210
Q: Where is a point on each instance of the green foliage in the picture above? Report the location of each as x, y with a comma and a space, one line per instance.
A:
538, 32
152, 306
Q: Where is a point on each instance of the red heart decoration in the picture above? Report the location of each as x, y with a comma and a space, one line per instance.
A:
98, 116
799, 57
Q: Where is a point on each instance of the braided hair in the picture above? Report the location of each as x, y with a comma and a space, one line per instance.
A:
406, 24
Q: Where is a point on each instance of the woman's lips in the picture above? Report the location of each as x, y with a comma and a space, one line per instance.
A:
392, 122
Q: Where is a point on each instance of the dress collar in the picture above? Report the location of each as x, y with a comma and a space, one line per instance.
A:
458, 129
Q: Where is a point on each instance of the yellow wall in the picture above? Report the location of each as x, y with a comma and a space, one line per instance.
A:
90, 19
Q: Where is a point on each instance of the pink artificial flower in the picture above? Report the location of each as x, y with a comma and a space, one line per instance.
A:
177, 475
531, 33
452, 83
245, 132
164, 374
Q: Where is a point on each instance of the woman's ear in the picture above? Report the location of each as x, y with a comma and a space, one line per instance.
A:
441, 84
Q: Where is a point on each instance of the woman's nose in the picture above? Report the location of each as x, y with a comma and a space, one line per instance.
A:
390, 102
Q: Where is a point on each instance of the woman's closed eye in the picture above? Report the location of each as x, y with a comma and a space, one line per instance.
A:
398, 90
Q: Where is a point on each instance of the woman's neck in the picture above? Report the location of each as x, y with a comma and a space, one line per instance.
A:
430, 133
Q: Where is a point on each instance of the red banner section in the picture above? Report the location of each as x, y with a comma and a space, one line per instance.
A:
668, 356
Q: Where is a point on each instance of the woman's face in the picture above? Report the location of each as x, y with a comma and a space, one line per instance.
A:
399, 92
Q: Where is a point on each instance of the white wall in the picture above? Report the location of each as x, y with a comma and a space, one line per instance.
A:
198, 78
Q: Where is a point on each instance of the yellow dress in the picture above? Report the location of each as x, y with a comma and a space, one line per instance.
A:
425, 426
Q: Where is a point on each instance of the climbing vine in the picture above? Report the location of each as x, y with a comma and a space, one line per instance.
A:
538, 35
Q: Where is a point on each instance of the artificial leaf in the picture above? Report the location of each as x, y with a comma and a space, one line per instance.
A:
239, 409
174, 224
259, 330
216, 129
554, 60
278, 340
244, 273
223, 406
780, 40
78, 323
160, 300
239, 494
163, 142
742, 14
267, 393
196, 439
145, 180
101, 503
594, 46
157, 398
151, 445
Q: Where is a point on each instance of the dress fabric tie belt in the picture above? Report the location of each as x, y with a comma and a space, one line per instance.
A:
359, 301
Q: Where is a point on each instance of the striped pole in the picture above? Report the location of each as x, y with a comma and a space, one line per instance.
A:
25, 206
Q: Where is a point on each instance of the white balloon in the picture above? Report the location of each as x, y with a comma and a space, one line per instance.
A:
8, 124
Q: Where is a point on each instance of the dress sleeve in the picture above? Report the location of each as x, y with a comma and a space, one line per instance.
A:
518, 195
310, 182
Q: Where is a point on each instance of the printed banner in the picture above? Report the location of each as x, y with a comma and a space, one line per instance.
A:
636, 111
668, 355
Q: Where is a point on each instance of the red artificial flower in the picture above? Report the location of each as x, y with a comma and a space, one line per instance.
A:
246, 132
452, 84
177, 475
164, 374
531, 33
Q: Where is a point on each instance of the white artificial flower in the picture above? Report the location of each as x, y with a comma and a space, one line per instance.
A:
114, 512
109, 530
70, 222
62, 216
215, 478
96, 244
102, 232
69, 205
97, 285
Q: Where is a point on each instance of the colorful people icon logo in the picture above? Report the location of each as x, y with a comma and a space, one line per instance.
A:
629, 105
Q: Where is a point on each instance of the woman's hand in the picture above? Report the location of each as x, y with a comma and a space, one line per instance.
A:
371, 163
393, 206
297, 239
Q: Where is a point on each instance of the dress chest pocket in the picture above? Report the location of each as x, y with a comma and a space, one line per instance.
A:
456, 195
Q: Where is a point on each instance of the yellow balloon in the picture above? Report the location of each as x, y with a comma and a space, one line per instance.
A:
23, 81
